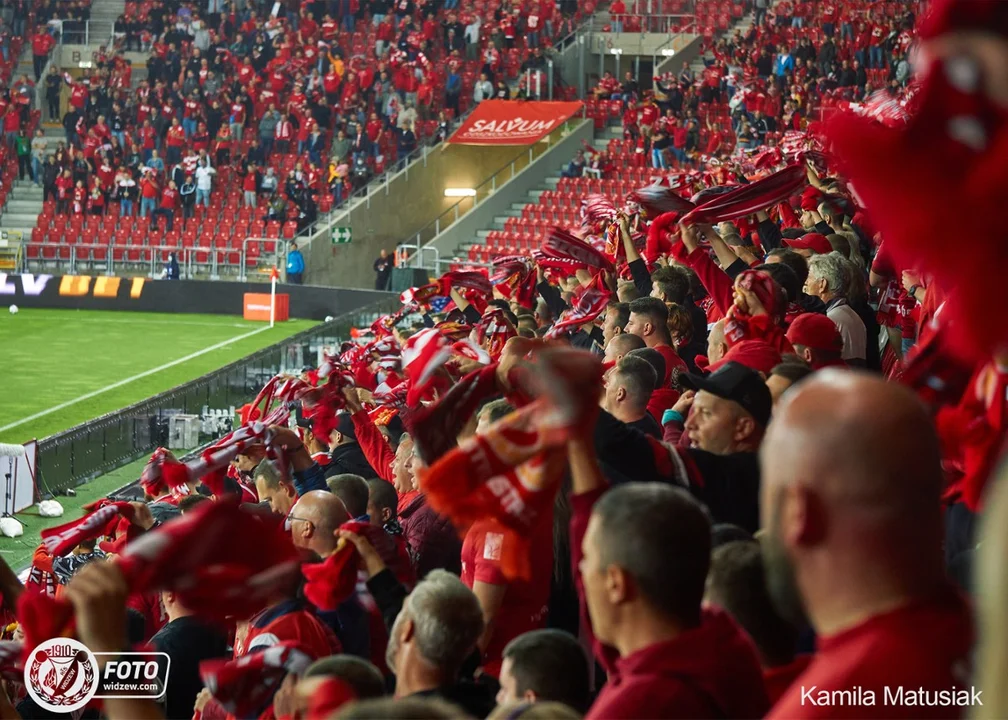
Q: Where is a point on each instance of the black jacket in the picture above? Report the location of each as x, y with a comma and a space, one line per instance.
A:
349, 458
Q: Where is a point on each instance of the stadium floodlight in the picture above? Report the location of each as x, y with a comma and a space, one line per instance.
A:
616, 51
460, 192
668, 52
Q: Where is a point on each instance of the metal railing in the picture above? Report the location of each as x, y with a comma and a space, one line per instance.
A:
483, 191
73, 32
101, 445
151, 257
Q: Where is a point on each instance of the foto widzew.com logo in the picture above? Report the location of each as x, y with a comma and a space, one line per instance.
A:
61, 675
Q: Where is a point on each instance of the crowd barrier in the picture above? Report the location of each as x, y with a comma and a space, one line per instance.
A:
87, 292
101, 445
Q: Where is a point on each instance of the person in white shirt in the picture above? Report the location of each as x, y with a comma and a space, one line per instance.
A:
828, 279
204, 181
484, 89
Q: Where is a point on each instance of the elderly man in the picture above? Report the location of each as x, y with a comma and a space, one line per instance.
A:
434, 633
313, 520
852, 509
828, 280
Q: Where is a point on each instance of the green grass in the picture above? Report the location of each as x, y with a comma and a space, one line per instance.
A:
60, 366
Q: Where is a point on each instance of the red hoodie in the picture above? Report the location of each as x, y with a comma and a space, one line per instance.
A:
710, 671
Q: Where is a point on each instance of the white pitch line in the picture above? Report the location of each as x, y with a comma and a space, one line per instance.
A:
154, 321
126, 381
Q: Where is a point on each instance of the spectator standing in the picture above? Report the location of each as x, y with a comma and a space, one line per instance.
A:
472, 37
249, 183
53, 84
42, 43
483, 89
148, 194
383, 270
267, 129
828, 280
295, 264
453, 91
204, 182
169, 204
187, 196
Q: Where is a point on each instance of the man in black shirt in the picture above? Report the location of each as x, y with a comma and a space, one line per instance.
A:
628, 387
383, 270
187, 641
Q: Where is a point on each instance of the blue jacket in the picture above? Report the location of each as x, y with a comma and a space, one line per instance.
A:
784, 65
295, 262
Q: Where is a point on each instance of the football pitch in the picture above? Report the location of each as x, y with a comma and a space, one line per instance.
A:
64, 367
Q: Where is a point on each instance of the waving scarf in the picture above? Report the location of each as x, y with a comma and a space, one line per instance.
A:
560, 243
511, 472
61, 540
221, 561
749, 199
588, 303
245, 686
658, 199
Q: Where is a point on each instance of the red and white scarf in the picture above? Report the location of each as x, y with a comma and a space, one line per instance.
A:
64, 538
746, 200
561, 244
245, 686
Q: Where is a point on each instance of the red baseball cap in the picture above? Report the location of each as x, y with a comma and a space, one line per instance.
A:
810, 241
758, 355
815, 331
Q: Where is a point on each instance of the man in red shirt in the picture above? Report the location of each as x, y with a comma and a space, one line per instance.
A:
42, 42
715, 140
642, 552
510, 607
169, 204
851, 504
175, 140
649, 321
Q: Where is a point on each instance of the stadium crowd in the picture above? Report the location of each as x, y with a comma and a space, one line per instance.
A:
721, 451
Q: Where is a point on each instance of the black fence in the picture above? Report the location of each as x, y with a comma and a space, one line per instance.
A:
82, 453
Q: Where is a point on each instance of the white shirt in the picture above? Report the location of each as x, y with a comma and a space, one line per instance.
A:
852, 330
204, 176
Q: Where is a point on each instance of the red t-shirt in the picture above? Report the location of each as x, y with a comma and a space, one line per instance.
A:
175, 136
922, 646
249, 183
169, 198
285, 622
714, 143
525, 604
779, 679
674, 364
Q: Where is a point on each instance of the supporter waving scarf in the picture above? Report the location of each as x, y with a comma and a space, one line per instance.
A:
561, 266
916, 199
658, 242
61, 540
245, 686
749, 199
742, 323
330, 582
560, 243
220, 560
511, 472
597, 211
421, 295
465, 279
423, 355
658, 199
512, 277
588, 303
493, 331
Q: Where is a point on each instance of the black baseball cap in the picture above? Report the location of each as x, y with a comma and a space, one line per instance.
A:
735, 382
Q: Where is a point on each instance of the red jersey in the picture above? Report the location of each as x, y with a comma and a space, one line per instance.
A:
169, 198
201, 140
143, 112
147, 135
238, 113
148, 189
674, 364
175, 136
373, 129
525, 604
330, 83
78, 95
889, 665
63, 185
249, 183
714, 143
329, 29
245, 74
190, 109
288, 621
649, 114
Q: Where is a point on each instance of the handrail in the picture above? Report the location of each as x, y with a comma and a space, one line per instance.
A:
482, 191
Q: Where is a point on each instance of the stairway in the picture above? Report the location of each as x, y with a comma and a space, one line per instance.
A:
550, 182
103, 16
24, 202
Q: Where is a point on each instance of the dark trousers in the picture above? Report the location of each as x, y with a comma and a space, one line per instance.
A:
54, 107
382, 281
38, 62
24, 167
163, 212
294, 278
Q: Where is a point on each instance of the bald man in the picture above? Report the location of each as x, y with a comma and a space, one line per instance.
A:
313, 520
717, 346
851, 504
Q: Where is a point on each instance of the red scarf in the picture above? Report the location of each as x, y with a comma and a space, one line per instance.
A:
561, 244
64, 538
749, 199
220, 560
588, 303
471, 280
245, 686
659, 199
511, 472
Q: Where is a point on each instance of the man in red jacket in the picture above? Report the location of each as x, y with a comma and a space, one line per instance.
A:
42, 43
169, 204
866, 565
641, 552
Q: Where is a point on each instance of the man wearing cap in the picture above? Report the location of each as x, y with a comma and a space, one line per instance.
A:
816, 340
731, 409
809, 244
346, 455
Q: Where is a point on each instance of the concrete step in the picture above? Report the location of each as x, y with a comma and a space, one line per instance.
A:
18, 220
479, 234
23, 207
552, 183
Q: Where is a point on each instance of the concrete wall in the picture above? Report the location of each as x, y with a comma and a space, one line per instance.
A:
513, 191
412, 202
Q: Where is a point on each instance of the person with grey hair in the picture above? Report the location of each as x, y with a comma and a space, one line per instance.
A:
433, 635
273, 488
829, 279
628, 387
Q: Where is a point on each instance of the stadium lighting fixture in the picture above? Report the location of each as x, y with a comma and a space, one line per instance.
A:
460, 192
668, 52
616, 51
